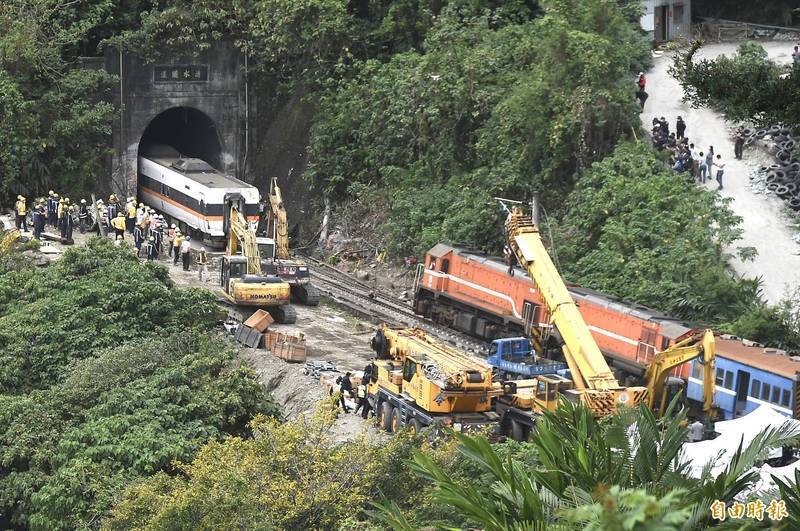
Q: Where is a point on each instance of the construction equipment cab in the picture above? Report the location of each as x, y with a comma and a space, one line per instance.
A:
241, 278
594, 383
515, 358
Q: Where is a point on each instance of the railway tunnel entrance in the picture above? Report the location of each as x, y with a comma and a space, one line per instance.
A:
191, 132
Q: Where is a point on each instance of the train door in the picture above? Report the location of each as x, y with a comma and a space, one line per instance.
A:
742, 386
647, 348
203, 221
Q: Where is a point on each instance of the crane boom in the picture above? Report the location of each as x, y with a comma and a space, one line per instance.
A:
590, 372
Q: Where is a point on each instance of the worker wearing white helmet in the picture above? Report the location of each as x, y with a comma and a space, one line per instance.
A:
170, 238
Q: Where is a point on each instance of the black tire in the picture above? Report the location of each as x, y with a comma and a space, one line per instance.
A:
782, 191
783, 155
380, 345
794, 203
773, 186
396, 422
415, 425
284, 314
761, 133
386, 417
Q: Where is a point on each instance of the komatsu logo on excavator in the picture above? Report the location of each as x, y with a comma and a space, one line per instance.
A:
267, 296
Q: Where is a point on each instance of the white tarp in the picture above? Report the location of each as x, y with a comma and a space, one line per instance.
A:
719, 451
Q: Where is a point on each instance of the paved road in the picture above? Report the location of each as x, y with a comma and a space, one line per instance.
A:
766, 226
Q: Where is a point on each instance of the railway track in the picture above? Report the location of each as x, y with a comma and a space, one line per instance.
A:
380, 307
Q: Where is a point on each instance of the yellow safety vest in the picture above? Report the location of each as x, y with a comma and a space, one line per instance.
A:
21, 208
131, 211
118, 223
178, 241
60, 208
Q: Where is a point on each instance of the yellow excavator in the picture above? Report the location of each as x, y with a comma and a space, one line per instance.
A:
594, 383
241, 277
274, 245
700, 346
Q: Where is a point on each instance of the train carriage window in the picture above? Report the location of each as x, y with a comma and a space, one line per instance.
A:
776, 395
728, 380
765, 389
697, 371
785, 398
755, 389
719, 378
445, 265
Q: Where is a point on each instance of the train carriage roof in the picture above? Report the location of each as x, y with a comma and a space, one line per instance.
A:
766, 359
670, 327
195, 169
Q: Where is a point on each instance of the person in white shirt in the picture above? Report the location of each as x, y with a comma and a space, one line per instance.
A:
720, 170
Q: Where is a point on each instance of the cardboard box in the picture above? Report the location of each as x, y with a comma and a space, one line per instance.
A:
260, 320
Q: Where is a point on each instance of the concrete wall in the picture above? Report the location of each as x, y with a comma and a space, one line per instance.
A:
144, 94
666, 19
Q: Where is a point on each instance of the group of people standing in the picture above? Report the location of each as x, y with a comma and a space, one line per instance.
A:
684, 157
146, 227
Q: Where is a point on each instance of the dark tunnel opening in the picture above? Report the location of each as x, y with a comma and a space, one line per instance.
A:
191, 132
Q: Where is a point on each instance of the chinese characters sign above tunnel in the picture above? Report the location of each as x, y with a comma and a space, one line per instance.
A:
180, 73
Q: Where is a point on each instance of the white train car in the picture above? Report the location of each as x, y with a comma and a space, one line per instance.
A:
191, 192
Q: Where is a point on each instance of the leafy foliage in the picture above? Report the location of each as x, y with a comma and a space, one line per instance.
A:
499, 102
109, 375
636, 230
290, 476
622, 472
747, 86
56, 122
776, 326
95, 297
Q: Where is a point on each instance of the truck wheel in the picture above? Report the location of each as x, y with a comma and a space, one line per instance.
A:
415, 425
519, 431
386, 416
395, 420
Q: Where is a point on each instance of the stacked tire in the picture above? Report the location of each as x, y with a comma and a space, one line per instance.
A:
783, 177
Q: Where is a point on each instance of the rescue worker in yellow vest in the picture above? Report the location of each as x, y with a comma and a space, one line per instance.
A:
130, 220
60, 213
176, 247
202, 263
363, 404
119, 226
21, 210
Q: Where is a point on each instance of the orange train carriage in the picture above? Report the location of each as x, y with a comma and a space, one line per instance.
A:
474, 293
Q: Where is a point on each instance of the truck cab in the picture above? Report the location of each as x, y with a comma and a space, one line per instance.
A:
514, 358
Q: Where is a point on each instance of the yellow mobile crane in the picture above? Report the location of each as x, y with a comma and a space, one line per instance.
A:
276, 258
417, 381
594, 383
241, 277
700, 346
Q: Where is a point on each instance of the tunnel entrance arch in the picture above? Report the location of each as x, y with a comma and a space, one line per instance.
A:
191, 132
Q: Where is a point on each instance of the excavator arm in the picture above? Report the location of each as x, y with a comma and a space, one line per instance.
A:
240, 235
590, 372
277, 221
698, 346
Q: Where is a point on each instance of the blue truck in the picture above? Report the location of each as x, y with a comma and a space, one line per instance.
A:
514, 357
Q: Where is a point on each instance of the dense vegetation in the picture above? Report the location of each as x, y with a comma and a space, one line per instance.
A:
576, 473
109, 374
746, 87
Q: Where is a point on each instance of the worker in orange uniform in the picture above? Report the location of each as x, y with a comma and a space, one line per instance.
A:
119, 223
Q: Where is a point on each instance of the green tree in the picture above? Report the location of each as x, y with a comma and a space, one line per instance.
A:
634, 229
746, 87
